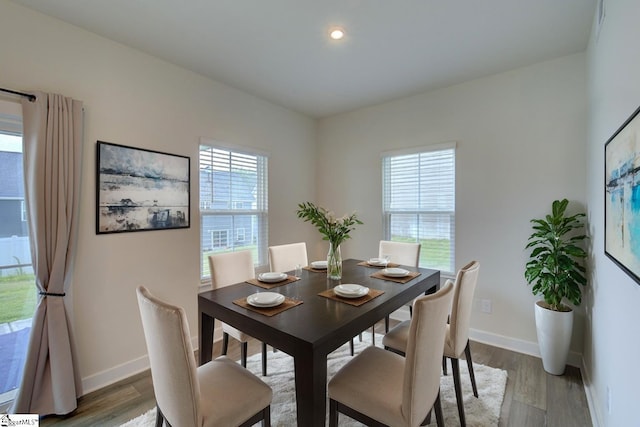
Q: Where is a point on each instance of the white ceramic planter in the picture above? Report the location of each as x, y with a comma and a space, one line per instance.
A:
554, 337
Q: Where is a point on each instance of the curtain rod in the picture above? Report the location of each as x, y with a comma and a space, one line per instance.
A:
26, 95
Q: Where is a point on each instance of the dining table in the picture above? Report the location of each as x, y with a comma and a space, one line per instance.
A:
316, 324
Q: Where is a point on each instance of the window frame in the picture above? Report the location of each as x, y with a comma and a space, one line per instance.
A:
388, 213
258, 210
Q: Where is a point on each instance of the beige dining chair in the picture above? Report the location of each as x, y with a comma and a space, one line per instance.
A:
457, 336
217, 393
402, 253
286, 257
227, 269
378, 387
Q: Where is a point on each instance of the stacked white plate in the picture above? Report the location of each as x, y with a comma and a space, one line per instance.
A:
265, 299
272, 277
351, 291
319, 265
378, 262
395, 272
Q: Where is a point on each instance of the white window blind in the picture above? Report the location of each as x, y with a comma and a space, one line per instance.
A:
233, 203
419, 203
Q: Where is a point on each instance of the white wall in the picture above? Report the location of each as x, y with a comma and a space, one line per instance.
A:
611, 343
134, 99
520, 144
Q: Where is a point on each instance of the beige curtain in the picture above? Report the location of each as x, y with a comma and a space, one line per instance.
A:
52, 138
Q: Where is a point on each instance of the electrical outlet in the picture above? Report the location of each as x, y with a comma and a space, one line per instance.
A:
485, 306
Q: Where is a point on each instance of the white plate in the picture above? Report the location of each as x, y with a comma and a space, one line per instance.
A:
265, 299
351, 291
271, 277
395, 272
319, 265
378, 262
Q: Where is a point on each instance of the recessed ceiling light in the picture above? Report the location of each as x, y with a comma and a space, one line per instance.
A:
336, 33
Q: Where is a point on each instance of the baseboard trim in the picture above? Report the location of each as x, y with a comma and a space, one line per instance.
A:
520, 346
126, 370
592, 399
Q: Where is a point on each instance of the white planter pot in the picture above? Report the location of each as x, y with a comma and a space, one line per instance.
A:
554, 337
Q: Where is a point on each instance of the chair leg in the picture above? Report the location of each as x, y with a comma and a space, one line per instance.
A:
438, 408
264, 359
159, 417
243, 354
333, 413
266, 420
373, 335
455, 364
352, 347
467, 354
225, 343
444, 365
360, 336
410, 311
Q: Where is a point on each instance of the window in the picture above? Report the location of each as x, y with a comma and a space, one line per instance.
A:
233, 202
18, 294
418, 197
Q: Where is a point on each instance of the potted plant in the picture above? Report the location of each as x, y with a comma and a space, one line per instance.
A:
556, 271
335, 230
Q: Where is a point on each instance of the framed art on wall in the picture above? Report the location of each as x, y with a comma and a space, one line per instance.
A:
622, 197
140, 190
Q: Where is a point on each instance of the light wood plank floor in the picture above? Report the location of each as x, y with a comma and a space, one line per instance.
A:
533, 398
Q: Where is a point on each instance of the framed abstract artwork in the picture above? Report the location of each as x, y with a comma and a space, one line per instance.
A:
622, 197
140, 190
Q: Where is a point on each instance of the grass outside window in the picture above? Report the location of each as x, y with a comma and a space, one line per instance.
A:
18, 298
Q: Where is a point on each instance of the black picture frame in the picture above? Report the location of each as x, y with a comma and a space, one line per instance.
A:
141, 190
622, 196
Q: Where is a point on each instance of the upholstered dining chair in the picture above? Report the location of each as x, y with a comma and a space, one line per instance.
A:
227, 269
218, 393
403, 253
457, 334
286, 257
379, 387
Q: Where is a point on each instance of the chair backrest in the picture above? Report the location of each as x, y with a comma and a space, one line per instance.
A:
173, 364
423, 357
286, 257
400, 252
232, 267
465, 286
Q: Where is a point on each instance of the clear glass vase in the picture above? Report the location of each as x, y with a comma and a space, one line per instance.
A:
334, 262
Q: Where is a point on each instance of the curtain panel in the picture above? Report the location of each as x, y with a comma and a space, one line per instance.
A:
52, 150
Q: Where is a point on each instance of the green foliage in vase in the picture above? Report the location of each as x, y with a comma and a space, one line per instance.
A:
556, 266
335, 230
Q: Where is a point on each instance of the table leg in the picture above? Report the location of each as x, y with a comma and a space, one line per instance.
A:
205, 338
311, 389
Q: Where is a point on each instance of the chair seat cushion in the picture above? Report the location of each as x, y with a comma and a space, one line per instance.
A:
223, 385
397, 337
375, 392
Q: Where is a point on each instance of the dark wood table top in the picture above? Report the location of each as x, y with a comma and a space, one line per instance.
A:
319, 322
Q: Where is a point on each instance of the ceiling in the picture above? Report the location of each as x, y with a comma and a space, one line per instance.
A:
279, 49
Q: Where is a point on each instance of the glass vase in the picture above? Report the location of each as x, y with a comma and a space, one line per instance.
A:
334, 262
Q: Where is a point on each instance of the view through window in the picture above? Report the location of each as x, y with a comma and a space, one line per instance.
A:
233, 203
17, 285
419, 202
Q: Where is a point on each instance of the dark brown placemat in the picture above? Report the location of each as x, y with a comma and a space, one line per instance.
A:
315, 270
269, 311
265, 285
373, 293
412, 275
390, 265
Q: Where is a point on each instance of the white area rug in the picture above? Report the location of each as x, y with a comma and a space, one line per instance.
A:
483, 411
